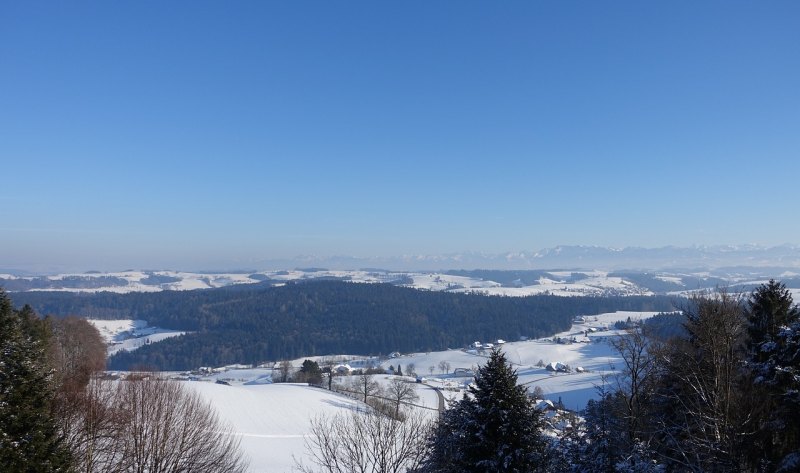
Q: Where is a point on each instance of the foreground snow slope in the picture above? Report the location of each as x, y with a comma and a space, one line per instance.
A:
272, 420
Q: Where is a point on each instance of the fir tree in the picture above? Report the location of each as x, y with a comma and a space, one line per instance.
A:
311, 373
770, 309
774, 328
495, 428
28, 436
603, 434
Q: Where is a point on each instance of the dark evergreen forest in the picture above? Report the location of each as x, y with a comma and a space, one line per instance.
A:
250, 324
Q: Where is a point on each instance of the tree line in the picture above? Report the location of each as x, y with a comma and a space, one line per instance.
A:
254, 324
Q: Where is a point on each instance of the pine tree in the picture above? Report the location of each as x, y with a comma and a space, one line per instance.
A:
311, 372
770, 309
603, 434
495, 428
774, 328
28, 436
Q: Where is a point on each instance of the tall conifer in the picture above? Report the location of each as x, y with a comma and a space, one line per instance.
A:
495, 428
29, 441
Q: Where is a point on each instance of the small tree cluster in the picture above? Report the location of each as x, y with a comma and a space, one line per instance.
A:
310, 373
721, 396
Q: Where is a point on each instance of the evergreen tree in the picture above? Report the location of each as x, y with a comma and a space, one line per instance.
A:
604, 429
495, 428
774, 329
311, 373
28, 435
770, 309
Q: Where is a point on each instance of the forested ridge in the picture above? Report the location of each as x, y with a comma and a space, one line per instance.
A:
252, 324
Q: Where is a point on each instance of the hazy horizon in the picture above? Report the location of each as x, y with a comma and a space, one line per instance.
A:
577, 257
205, 135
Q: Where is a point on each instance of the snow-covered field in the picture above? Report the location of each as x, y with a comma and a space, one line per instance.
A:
272, 420
129, 335
592, 353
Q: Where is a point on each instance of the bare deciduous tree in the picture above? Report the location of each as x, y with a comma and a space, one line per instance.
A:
82, 404
77, 351
148, 425
283, 368
366, 442
90, 423
706, 387
635, 381
364, 384
168, 428
444, 366
400, 392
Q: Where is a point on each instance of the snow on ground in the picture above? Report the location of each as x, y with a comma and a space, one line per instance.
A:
147, 281
116, 289
592, 352
673, 279
559, 283
272, 420
444, 282
240, 376
596, 282
567, 274
428, 401
130, 334
111, 330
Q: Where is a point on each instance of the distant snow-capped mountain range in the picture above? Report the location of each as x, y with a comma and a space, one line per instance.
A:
578, 257
574, 257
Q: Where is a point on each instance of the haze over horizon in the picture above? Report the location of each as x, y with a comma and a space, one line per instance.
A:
785, 259
207, 135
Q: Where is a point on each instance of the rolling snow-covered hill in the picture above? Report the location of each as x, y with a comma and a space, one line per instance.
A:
130, 334
505, 283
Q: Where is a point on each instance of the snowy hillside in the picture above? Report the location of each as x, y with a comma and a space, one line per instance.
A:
590, 352
556, 282
130, 334
272, 420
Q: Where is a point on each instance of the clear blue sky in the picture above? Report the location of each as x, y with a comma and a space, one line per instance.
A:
192, 134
